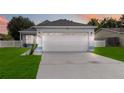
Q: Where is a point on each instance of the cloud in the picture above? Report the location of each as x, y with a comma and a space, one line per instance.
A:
98, 16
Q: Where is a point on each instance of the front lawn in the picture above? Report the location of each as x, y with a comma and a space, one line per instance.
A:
14, 66
112, 52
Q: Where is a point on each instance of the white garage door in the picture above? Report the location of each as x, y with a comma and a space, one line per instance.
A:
65, 42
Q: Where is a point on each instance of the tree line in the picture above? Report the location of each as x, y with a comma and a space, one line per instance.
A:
108, 22
20, 23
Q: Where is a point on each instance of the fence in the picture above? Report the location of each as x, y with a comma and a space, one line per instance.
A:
99, 43
10, 43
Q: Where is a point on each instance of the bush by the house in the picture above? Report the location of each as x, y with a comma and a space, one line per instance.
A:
5, 37
113, 41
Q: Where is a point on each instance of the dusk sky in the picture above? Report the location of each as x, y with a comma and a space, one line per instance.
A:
81, 18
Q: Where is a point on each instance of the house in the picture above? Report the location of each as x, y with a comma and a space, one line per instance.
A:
105, 33
60, 36
3, 25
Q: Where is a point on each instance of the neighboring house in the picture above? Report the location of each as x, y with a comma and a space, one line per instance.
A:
61, 35
3, 25
105, 33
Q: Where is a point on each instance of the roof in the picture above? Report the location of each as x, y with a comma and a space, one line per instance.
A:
58, 24
34, 28
61, 22
54, 29
116, 30
64, 27
30, 29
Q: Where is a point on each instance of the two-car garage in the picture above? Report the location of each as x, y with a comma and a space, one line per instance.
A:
65, 42
66, 38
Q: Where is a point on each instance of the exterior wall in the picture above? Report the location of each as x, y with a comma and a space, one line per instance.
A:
103, 34
39, 39
91, 41
66, 30
28, 39
3, 29
99, 43
122, 39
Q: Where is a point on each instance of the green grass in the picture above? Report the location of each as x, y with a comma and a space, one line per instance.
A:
14, 66
112, 52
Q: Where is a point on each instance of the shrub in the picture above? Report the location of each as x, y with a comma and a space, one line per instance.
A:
113, 41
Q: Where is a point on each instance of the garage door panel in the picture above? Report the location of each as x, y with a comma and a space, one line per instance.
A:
64, 42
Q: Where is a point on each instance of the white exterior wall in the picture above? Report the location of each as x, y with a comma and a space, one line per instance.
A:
66, 30
28, 39
99, 43
39, 39
103, 34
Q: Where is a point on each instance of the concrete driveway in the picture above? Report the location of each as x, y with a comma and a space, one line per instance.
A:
79, 66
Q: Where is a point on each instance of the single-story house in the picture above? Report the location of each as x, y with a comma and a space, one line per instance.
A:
105, 33
60, 35
60, 38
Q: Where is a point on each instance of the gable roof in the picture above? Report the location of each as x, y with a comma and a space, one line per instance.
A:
31, 29
57, 23
60, 22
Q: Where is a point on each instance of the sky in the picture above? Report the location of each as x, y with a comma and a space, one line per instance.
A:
38, 18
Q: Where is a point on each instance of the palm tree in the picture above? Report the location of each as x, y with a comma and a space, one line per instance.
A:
122, 21
94, 22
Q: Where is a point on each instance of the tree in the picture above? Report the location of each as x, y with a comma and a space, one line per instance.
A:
121, 21
18, 23
109, 23
94, 22
105, 23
